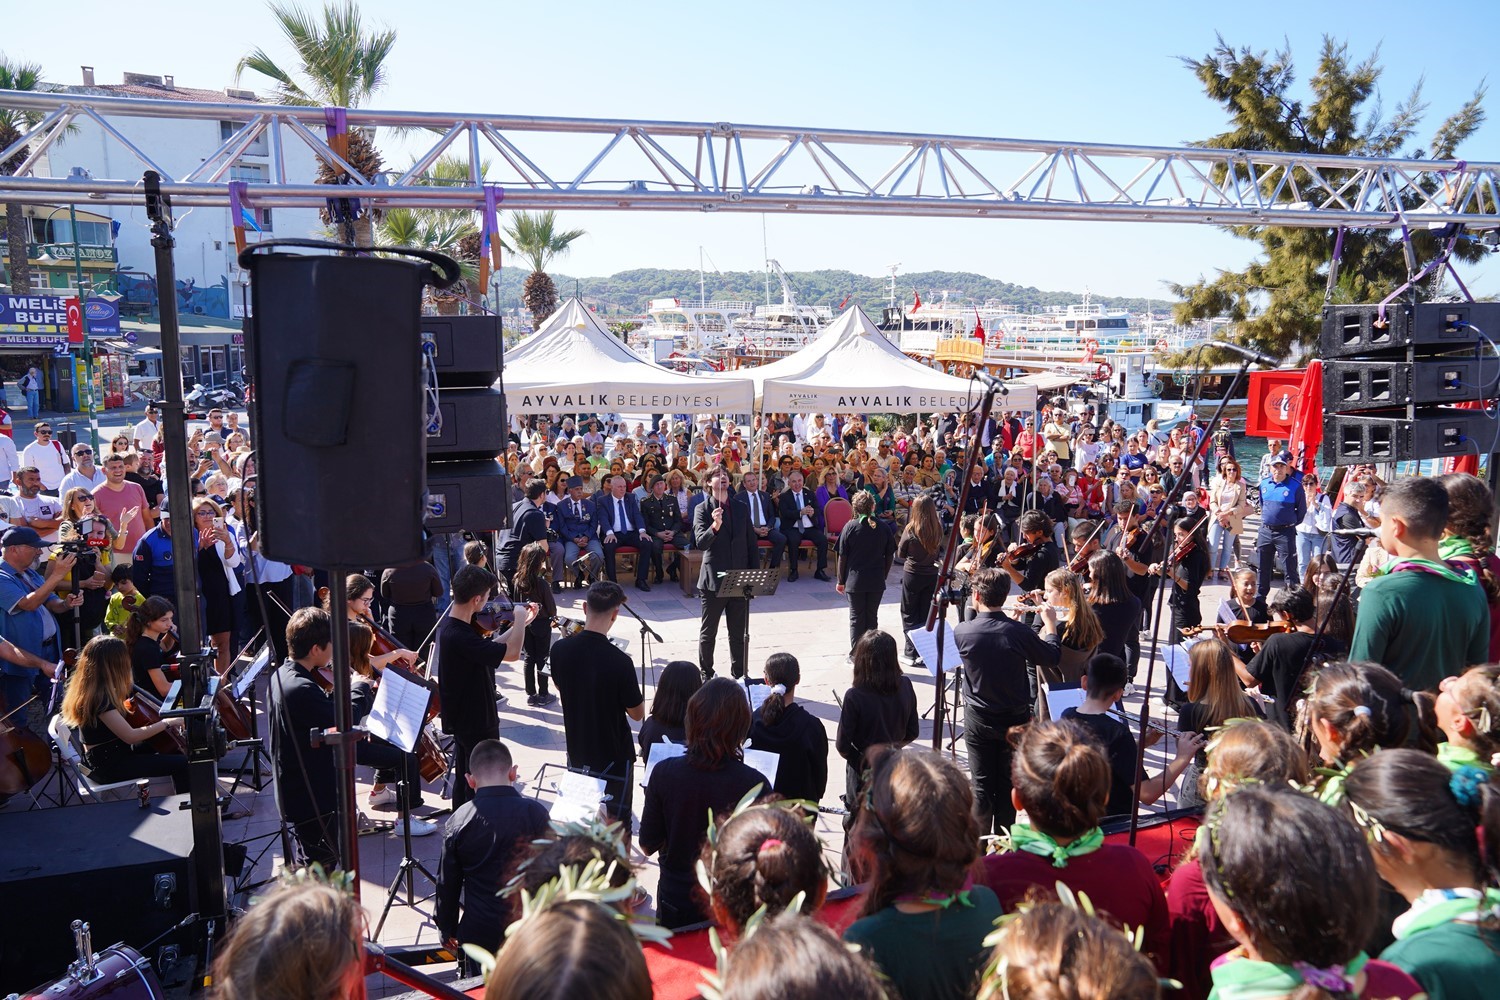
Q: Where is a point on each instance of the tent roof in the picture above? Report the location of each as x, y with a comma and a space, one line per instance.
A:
853, 366
573, 363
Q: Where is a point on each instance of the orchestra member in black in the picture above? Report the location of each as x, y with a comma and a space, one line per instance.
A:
802, 521
1187, 565
1029, 572
530, 522
597, 684
301, 701
866, 552
1133, 540
721, 530
466, 663
94, 705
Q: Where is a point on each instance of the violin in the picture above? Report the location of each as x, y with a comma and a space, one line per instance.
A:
1243, 633
1023, 550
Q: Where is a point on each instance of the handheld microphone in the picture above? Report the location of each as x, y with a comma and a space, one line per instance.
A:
1356, 532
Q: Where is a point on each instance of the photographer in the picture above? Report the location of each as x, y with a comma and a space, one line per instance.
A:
24, 594
217, 557
90, 537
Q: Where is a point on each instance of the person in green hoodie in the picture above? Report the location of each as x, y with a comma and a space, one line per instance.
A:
1421, 617
1435, 836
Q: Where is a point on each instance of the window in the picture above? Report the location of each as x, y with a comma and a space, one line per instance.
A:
90, 234
256, 147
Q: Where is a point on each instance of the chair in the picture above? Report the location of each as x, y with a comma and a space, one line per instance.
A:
837, 513
72, 760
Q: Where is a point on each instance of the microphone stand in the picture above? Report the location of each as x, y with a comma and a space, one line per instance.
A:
1338, 595
647, 634
1173, 495
937, 615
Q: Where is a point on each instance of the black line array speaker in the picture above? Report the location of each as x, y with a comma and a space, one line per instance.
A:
1359, 330
1375, 385
335, 353
1436, 432
466, 488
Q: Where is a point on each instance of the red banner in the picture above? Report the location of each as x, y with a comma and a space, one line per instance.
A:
75, 320
1273, 399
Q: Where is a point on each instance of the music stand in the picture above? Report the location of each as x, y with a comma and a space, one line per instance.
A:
256, 754
749, 584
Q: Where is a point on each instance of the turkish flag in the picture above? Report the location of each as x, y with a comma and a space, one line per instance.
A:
1307, 417
918, 304
978, 327
75, 321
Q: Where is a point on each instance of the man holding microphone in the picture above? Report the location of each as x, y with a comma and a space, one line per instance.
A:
724, 536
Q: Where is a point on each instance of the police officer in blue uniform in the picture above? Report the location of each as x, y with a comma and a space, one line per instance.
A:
1283, 504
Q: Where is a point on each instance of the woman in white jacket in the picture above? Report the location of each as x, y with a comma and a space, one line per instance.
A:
1228, 502
1312, 533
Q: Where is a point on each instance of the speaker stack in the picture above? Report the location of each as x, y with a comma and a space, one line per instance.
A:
467, 490
1390, 383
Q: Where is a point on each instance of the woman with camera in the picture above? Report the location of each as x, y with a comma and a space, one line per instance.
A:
91, 536
217, 557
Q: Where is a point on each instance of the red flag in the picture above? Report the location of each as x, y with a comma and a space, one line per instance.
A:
1307, 418
847, 298
918, 304
978, 327
75, 320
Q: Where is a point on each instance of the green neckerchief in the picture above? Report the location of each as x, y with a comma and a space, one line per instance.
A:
1454, 547
1436, 907
1033, 841
1464, 576
1248, 979
1452, 756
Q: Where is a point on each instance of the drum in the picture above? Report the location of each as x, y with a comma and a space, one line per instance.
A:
119, 973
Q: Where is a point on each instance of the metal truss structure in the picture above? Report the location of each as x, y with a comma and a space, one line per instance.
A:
604, 165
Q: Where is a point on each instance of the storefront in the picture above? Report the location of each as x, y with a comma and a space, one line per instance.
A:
34, 334
212, 353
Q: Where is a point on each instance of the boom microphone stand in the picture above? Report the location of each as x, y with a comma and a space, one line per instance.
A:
647, 634
1247, 356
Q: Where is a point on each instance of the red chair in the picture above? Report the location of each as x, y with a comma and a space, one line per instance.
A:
837, 512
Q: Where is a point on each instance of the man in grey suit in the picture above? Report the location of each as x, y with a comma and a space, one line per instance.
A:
763, 516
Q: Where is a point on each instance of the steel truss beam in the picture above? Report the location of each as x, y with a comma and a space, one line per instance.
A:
603, 165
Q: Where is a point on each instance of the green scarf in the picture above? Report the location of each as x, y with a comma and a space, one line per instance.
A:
1465, 576
1452, 756
1436, 907
1248, 979
1033, 841
1454, 547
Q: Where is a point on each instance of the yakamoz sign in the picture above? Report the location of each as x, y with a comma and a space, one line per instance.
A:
1272, 402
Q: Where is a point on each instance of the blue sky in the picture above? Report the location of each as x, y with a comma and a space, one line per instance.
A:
1095, 72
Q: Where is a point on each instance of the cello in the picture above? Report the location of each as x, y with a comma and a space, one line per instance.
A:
25, 757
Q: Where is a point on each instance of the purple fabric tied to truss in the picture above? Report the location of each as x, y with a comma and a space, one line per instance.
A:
494, 194
337, 120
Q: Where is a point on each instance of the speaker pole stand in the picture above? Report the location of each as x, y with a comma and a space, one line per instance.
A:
208, 832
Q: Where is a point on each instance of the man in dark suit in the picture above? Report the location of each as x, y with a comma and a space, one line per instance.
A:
529, 523
981, 490
305, 777
576, 524
996, 652
760, 512
721, 530
664, 521
620, 523
801, 520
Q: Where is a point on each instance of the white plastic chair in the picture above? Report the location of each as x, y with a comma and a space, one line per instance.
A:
72, 761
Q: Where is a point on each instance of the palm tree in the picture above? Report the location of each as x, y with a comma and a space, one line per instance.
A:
452, 231
13, 124
339, 65
535, 238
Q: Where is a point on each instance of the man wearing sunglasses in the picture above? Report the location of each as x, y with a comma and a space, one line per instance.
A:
46, 456
85, 475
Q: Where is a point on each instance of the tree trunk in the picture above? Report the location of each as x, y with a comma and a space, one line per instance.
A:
15, 242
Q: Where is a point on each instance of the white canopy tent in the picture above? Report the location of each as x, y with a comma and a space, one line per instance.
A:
853, 366
573, 364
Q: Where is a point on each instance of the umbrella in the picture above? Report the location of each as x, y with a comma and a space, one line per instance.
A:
1307, 418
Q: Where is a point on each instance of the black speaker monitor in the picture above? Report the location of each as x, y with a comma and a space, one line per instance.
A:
337, 421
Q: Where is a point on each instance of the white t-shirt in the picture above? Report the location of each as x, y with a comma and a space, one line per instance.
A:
144, 432
77, 478
48, 459
9, 460
14, 508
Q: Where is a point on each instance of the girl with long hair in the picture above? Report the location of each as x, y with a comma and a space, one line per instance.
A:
793, 957
684, 791
915, 840
217, 557
679, 681
879, 709
1435, 837
317, 933
1080, 635
573, 948
985, 551
866, 550
359, 595
533, 568
1214, 697
94, 705
919, 549
147, 629
782, 726
1245, 752
1051, 943
763, 857
1117, 610
1351, 710
1467, 711
1469, 540
1061, 778
1301, 920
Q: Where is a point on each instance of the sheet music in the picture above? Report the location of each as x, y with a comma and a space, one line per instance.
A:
765, 762
1176, 659
578, 798
251, 672
400, 709
1059, 699
757, 693
926, 642
665, 750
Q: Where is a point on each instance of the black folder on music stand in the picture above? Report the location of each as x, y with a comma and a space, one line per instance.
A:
748, 583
